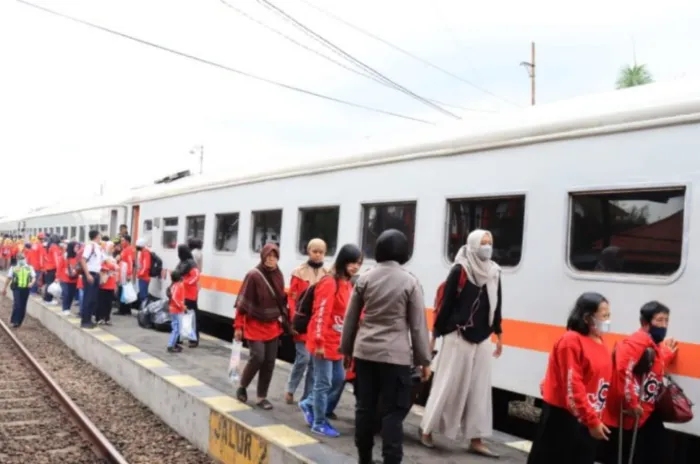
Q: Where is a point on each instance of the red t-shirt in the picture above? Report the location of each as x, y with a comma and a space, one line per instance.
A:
326, 324
177, 298
144, 265
578, 377
296, 288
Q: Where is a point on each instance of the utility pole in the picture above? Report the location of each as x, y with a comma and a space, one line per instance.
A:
201, 156
530, 68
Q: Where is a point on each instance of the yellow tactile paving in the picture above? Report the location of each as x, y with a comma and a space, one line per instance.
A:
106, 337
183, 380
524, 445
226, 404
126, 349
73, 320
151, 362
284, 435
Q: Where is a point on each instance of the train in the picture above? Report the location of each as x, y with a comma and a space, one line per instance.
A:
556, 184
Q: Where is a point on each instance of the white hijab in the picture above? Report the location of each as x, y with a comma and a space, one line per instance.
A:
480, 272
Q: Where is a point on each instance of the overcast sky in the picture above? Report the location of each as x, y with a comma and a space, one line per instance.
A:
79, 107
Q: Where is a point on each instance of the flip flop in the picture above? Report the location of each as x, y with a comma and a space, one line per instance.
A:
264, 404
483, 451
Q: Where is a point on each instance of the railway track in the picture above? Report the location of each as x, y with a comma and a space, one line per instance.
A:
39, 423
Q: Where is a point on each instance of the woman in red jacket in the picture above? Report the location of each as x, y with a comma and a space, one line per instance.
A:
323, 340
303, 277
575, 388
640, 363
68, 276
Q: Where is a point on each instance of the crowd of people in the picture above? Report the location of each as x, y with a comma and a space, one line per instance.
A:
370, 330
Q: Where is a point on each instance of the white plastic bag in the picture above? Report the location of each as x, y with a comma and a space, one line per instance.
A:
55, 289
188, 327
128, 293
234, 364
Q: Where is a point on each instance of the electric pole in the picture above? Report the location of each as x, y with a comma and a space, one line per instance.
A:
201, 156
530, 68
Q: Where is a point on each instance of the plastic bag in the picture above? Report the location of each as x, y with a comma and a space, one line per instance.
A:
55, 289
187, 327
128, 293
234, 364
144, 319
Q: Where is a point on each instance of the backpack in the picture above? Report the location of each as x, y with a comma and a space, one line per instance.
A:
305, 308
440, 294
21, 276
156, 269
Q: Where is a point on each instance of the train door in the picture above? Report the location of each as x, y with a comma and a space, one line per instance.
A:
134, 223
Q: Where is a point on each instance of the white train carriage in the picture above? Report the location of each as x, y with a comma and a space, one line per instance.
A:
556, 184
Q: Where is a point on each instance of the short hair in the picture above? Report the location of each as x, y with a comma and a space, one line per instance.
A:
175, 276
392, 245
93, 234
650, 310
586, 306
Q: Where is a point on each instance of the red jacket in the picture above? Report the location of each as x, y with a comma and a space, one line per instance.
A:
326, 323
112, 269
296, 287
62, 270
144, 265
190, 281
53, 258
128, 254
629, 391
177, 298
578, 377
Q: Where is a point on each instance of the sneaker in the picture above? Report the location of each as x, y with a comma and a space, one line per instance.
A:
65, 312
175, 349
100, 322
87, 326
308, 413
326, 430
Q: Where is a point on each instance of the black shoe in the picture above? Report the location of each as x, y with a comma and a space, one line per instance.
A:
331, 416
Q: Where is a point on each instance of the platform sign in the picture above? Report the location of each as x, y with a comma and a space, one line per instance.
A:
232, 443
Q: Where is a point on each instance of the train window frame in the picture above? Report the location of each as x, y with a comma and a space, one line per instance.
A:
215, 250
500, 196
170, 228
300, 216
252, 226
403, 202
196, 217
630, 278
148, 225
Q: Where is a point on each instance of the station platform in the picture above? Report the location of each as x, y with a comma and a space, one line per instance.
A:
191, 392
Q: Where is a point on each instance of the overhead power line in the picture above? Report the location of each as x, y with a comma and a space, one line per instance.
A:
330, 59
351, 58
224, 67
404, 51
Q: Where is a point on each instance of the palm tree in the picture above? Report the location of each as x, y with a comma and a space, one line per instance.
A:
636, 74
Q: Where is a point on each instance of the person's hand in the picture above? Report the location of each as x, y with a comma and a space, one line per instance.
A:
599, 432
90, 278
425, 373
320, 352
671, 344
636, 411
499, 349
347, 362
238, 335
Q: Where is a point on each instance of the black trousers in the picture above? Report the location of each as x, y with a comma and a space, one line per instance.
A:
388, 385
561, 439
651, 447
104, 305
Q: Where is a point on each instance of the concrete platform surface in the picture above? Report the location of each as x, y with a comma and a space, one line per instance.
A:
191, 392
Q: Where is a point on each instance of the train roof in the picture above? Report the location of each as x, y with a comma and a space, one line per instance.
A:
81, 203
675, 101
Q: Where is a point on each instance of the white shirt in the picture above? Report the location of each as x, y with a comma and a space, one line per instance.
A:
31, 270
93, 256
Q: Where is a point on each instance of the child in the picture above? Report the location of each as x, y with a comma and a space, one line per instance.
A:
20, 277
176, 294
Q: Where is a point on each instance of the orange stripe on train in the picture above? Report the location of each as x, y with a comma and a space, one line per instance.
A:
520, 334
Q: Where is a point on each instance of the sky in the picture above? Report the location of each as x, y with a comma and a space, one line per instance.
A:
86, 108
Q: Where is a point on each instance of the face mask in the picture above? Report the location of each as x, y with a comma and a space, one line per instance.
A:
22, 262
484, 252
602, 326
657, 333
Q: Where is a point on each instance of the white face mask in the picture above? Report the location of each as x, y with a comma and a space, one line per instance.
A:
602, 326
484, 252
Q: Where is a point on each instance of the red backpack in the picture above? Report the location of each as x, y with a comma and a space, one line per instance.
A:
440, 294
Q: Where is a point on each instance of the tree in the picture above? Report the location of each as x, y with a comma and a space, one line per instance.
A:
631, 76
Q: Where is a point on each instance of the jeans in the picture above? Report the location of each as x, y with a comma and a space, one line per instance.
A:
68, 291
176, 320
388, 386
19, 305
49, 277
143, 290
90, 300
329, 380
81, 299
302, 363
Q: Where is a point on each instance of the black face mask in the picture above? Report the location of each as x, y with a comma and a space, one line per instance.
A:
139, 248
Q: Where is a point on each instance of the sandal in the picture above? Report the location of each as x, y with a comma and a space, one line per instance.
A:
426, 440
242, 395
264, 404
482, 450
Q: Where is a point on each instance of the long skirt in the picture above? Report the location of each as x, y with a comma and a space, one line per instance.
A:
460, 399
561, 438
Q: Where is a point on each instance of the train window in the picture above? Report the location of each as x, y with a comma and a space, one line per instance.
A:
170, 226
195, 227
73, 233
65, 232
103, 229
226, 237
82, 234
504, 217
633, 232
267, 228
319, 223
148, 225
377, 218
